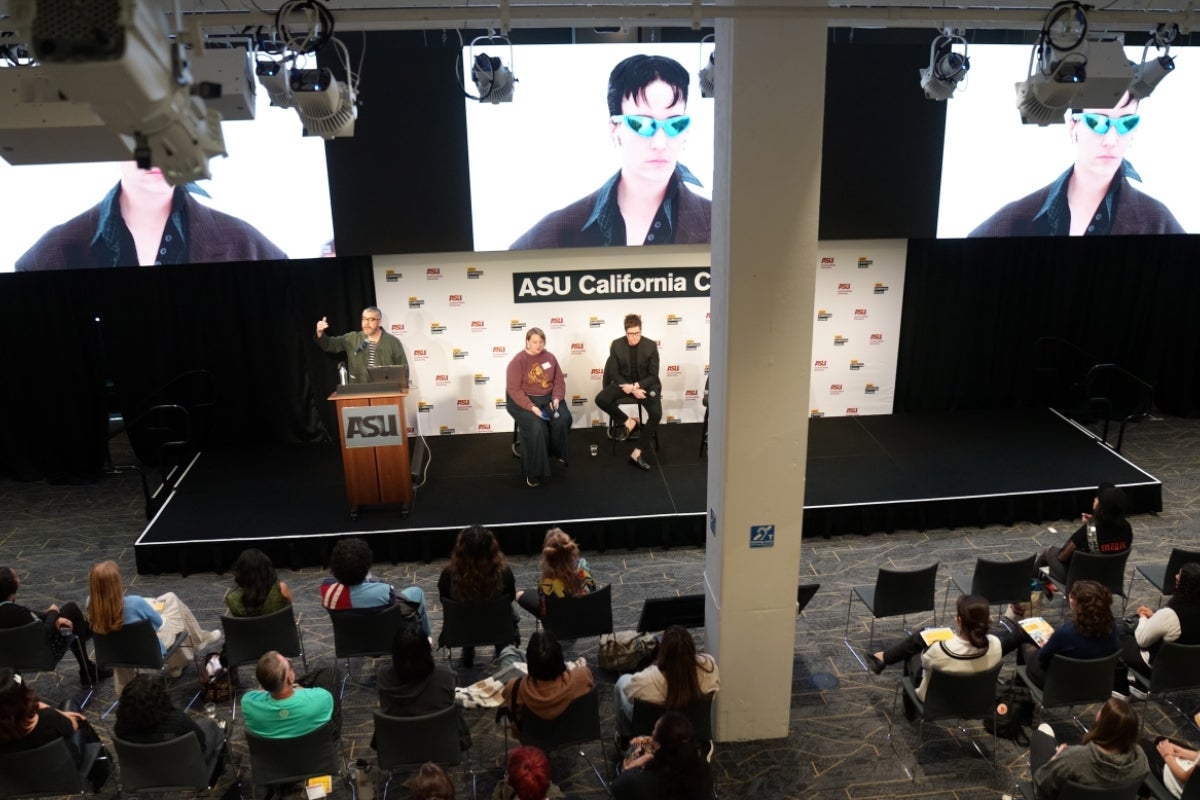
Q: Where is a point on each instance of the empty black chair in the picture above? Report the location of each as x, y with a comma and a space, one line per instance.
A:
1073, 682
365, 635
477, 623
278, 762
580, 616
896, 593
1176, 669
1162, 574
171, 766
576, 726
46, 770
999, 582
405, 743
660, 613
248, 638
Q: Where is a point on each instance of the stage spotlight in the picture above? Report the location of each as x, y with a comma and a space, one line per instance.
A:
1148, 74
708, 72
947, 67
494, 81
1060, 56
277, 78
325, 105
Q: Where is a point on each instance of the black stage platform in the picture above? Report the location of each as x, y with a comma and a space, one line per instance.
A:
865, 474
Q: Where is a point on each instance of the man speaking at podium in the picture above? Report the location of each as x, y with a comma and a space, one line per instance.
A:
370, 347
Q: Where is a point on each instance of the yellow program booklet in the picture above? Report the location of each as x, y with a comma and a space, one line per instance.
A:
1038, 629
931, 635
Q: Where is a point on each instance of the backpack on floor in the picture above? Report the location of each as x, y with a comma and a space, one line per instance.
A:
1014, 711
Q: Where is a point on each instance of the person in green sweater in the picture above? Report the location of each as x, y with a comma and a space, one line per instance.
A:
370, 347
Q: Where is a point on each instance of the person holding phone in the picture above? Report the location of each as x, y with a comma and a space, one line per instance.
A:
647, 201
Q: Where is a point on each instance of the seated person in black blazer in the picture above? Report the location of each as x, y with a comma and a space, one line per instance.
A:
631, 372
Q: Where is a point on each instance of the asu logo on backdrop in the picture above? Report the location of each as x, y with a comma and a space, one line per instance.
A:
820, 364
463, 405
500, 403
477, 326
415, 302
556, 323
420, 355
436, 327
672, 420
816, 413
597, 374
864, 262
598, 423
595, 322
860, 313
835, 388
499, 351
823, 315
828, 262
433, 274
445, 430
674, 319
458, 355
839, 340
391, 276
674, 371
706, 370
691, 344
481, 379
483, 427
852, 411
474, 273
578, 400
423, 407
875, 338
843, 288
456, 300
691, 394
855, 364
880, 288
870, 388
577, 348
516, 325
398, 327
441, 380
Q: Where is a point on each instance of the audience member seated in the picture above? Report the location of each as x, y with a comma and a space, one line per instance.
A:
679, 677
565, 573
259, 590
57, 621
1177, 621
110, 609
26, 723
1090, 633
413, 685
1105, 530
549, 687
286, 708
527, 777
430, 783
1109, 755
971, 649
1173, 762
665, 766
353, 587
478, 571
146, 716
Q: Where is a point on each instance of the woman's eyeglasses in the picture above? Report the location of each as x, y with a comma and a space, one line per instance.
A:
1100, 123
648, 126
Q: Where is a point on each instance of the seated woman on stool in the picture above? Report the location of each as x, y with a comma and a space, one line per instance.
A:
146, 716
972, 649
1089, 634
565, 573
1109, 755
535, 389
1177, 621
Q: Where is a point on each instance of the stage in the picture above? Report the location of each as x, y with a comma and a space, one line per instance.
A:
865, 474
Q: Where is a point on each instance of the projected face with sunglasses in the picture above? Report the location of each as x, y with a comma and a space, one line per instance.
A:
1102, 136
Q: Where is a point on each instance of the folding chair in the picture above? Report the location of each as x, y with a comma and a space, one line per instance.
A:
1162, 574
1176, 669
248, 638
577, 725
999, 582
580, 616
46, 770
1107, 569
405, 743
135, 646
896, 593
660, 613
171, 766
645, 715
278, 762
365, 635
1073, 682
27, 651
477, 623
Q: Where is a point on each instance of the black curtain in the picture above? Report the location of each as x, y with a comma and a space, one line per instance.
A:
974, 309
82, 343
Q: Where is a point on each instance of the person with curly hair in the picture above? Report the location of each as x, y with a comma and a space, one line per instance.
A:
26, 723
259, 590
110, 609
431, 782
1108, 756
477, 571
679, 677
1090, 633
1177, 621
146, 715
352, 586
666, 767
565, 573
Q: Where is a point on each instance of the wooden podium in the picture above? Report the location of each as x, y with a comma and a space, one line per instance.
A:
374, 448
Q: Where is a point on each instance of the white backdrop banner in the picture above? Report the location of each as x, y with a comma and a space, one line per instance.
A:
856, 327
463, 316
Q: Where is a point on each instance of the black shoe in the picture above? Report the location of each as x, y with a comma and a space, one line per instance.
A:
533, 482
468, 657
640, 463
875, 664
89, 675
620, 433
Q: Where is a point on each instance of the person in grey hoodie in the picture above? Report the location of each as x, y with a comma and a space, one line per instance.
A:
1109, 755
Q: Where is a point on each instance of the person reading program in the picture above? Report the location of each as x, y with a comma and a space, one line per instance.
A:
631, 373
144, 221
1094, 196
646, 202
370, 347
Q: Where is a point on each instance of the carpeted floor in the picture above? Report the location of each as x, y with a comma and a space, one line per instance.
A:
839, 745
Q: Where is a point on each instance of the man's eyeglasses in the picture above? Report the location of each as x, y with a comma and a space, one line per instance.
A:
1100, 123
648, 126
371, 319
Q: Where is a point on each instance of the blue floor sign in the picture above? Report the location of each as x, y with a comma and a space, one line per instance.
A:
762, 536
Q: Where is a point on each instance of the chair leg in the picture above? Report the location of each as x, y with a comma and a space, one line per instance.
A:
846, 635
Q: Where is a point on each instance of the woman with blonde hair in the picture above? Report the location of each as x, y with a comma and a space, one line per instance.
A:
565, 573
110, 609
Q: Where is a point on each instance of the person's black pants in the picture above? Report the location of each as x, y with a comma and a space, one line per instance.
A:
609, 401
540, 439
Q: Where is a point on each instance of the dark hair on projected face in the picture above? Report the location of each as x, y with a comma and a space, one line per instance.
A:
630, 78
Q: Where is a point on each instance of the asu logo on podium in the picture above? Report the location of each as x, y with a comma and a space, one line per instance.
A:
372, 426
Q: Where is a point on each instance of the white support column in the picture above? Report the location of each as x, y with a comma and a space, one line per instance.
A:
770, 92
